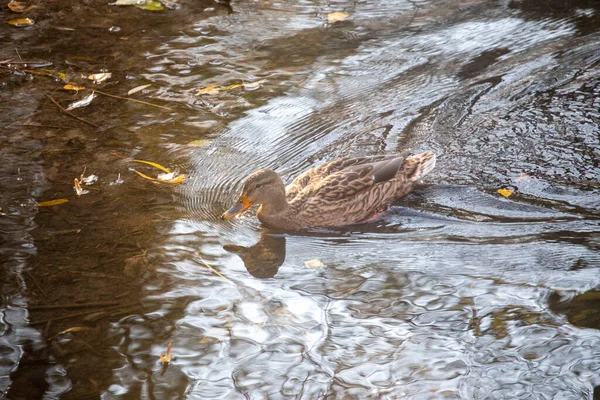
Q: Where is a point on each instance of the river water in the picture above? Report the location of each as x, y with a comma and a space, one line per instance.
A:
455, 293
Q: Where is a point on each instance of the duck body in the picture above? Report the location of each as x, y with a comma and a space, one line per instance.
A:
338, 193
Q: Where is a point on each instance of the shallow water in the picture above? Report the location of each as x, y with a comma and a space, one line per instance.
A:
456, 292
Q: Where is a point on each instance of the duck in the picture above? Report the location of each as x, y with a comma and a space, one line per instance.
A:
338, 193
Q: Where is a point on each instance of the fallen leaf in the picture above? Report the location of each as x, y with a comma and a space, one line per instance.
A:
78, 188
208, 90
88, 180
73, 86
166, 358
48, 72
198, 143
21, 22
337, 16
155, 165
101, 77
177, 179
253, 85
137, 89
127, 3
20, 6
505, 192
74, 329
151, 5
51, 203
315, 263
82, 103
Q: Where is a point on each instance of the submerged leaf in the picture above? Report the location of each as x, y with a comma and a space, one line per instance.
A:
75, 329
51, 203
137, 89
166, 358
198, 143
505, 192
151, 5
337, 16
127, 2
73, 86
315, 263
21, 22
20, 6
82, 103
208, 90
101, 77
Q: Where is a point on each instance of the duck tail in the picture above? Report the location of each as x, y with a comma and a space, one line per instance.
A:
425, 162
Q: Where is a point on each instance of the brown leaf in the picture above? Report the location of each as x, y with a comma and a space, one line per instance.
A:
20, 6
51, 203
166, 358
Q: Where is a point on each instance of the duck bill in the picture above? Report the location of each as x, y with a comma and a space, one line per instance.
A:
238, 208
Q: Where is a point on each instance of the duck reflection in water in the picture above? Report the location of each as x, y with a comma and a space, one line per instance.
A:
263, 259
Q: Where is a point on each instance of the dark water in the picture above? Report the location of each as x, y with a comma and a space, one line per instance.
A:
457, 292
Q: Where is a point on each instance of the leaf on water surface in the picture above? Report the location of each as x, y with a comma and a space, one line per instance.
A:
137, 89
77, 187
151, 5
166, 358
153, 164
88, 180
73, 86
21, 22
337, 16
198, 143
208, 90
505, 192
81, 103
20, 6
100, 77
51, 203
315, 263
177, 179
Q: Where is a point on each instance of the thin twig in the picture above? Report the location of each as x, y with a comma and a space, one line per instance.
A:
212, 269
134, 100
36, 283
75, 305
17, 50
70, 114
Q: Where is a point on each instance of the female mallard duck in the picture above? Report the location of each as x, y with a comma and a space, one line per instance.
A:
341, 192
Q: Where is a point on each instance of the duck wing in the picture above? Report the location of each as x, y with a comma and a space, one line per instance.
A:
357, 177
315, 175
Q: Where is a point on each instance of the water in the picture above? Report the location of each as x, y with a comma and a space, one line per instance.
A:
457, 292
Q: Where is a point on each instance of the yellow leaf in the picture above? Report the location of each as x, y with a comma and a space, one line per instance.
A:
166, 358
19, 22
208, 90
155, 165
198, 143
177, 179
74, 87
51, 203
337, 16
316, 263
19, 6
505, 192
